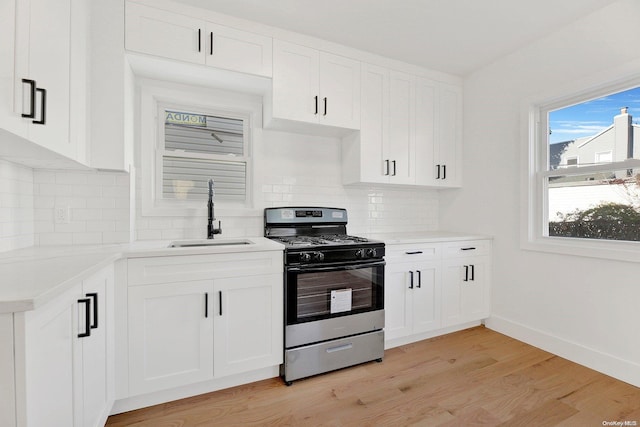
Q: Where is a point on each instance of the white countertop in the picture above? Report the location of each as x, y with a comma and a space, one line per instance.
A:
32, 276
425, 237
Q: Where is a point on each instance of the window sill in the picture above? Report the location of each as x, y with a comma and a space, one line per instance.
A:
602, 249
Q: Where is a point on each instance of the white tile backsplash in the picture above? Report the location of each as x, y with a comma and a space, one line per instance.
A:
98, 203
16, 206
290, 170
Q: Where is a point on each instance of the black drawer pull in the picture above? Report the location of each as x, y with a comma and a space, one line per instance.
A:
43, 107
87, 317
413, 252
94, 296
468, 249
32, 101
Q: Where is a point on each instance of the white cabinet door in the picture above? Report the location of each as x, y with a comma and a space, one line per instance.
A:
398, 320
400, 150
10, 91
161, 33
369, 148
296, 74
465, 293
170, 335
339, 91
310, 86
248, 323
425, 297
47, 368
95, 393
449, 136
238, 50
426, 95
43, 37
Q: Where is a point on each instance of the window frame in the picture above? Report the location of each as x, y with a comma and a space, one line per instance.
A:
154, 99
535, 174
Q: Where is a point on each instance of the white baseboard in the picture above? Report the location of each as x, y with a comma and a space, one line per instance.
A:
396, 342
624, 370
155, 398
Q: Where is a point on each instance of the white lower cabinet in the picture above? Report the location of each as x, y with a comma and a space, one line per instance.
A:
170, 335
225, 318
248, 324
432, 288
465, 293
61, 358
412, 295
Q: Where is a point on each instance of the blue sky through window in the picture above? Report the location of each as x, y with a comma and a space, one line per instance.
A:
591, 117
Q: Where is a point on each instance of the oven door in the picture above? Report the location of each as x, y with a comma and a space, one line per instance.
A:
324, 292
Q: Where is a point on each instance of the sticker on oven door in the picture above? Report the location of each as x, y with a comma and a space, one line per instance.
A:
340, 300
337, 214
286, 214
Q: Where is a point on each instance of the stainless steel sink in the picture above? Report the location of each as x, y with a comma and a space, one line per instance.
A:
204, 243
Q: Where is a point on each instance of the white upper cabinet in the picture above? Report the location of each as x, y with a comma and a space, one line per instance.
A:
192, 39
43, 77
310, 86
411, 132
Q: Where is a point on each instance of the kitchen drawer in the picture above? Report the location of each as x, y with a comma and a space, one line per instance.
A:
466, 248
145, 271
413, 252
328, 356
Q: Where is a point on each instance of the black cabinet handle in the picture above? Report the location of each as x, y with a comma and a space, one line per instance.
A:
437, 171
466, 273
199, 40
444, 171
211, 43
220, 303
87, 317
386, 167
413, 252
316, 98
325, 105
94, 297
470, 248
419, 278
43, 107
32, 101
411, 284
206, 305
394, 167
473, 272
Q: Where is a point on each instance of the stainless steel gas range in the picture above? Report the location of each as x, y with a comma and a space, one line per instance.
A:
334, 291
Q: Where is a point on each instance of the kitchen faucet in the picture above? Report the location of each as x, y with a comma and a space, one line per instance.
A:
211, 230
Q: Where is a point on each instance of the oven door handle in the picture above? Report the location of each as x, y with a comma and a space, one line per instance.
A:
336, 267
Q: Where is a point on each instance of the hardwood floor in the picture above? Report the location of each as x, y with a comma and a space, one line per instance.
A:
472, 377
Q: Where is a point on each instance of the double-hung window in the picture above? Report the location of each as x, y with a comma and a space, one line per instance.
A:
199, 146
583, 182
189, 135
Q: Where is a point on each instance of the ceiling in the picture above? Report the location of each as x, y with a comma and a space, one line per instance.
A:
453, 36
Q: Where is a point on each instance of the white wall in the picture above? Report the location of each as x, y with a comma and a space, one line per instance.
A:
581, 308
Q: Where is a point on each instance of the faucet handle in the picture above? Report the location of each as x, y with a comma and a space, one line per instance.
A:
219, 229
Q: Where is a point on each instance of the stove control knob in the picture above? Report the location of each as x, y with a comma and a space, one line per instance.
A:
371, 252
305, 257
319, 256
360, 253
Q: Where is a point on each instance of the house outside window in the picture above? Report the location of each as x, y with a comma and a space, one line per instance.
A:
584, 179
189, 135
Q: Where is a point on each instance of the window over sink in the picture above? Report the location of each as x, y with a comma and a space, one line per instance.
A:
189, 135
